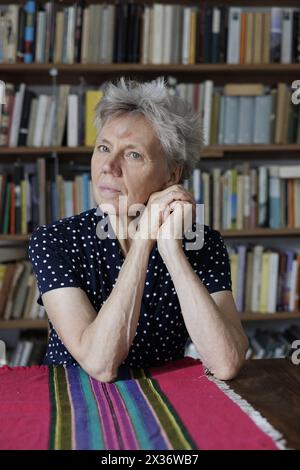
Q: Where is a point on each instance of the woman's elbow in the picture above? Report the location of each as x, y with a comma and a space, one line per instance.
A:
103, 376
229, 372
231, 369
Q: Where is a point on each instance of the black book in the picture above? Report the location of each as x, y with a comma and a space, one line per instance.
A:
21, 32
120, 33
132, 11
78, 30
223, 34
200, 34
138, 20
208, 35
24, 123
296, 37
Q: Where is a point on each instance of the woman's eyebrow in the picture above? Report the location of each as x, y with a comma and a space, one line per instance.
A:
131, 145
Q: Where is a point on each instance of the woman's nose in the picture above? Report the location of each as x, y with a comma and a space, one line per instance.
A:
112, 165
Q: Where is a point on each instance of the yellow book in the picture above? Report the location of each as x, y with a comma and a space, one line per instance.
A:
263, 301
2, 272
192, 48
92, 98
23, 207
233, 257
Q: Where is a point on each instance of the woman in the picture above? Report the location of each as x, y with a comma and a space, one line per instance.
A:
134, 297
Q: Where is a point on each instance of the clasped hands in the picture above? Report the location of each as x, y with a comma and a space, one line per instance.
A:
168, 214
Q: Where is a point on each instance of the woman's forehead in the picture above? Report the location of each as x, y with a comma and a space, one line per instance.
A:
137, 132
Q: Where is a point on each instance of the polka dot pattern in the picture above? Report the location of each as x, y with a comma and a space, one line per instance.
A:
68, 253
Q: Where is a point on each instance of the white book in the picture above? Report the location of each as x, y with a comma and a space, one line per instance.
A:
72, 121
197, 184
273, 281
16, 116
168, 39
293, 285
40, 37
289, 171
42, 107
104, 33
234, 31
187, 14
208, 94
70, 36
146, 34
157, 33
287, 36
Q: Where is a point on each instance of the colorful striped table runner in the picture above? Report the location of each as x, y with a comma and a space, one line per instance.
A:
175, 406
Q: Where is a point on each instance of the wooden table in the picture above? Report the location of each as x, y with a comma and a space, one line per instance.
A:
272, 386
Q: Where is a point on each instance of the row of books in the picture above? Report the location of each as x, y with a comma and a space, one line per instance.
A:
238, 113
63, 118
242, 197
158, 33
265, 344
19, 292
265, 280
30, 198
29, 350
248, 197
244, 113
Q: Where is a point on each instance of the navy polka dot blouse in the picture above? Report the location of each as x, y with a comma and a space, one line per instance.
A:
68, 253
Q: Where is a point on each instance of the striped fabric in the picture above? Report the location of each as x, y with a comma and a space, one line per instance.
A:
174, 406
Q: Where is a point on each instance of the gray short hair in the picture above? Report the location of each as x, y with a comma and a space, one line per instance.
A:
175, 123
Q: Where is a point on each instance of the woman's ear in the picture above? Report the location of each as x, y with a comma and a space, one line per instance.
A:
175, 174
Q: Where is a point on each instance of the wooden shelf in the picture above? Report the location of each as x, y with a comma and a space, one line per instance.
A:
256, 316
245, 317
14, 238
24, 324
261, 232
138, 67
257, 232
96, 73
209, 152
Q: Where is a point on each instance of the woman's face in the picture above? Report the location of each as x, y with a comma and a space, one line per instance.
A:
128, 161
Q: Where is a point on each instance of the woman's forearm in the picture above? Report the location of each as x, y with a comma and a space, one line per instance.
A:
220, 343
106, 341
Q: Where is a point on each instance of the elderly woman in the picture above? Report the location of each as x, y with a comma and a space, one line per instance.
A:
135, 298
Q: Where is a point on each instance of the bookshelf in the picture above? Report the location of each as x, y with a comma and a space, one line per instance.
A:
54, 74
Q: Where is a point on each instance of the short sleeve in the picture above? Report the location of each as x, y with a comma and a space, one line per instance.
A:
212, 263
53, 262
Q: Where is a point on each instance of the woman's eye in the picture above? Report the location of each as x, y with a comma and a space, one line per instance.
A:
136, 156
99, 147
